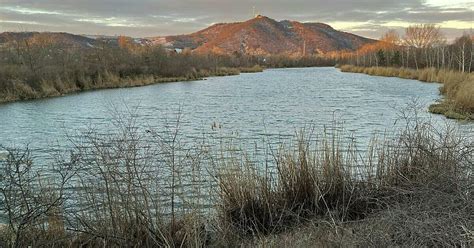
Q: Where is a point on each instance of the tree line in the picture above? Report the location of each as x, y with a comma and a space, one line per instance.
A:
421, 46
41, 66
422, 53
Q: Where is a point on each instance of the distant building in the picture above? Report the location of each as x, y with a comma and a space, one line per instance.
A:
143, 42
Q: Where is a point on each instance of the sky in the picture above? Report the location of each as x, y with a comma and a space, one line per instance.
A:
148, 18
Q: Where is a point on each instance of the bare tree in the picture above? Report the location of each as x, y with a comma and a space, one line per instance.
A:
391, 37
423, 37
30, 200
463, 49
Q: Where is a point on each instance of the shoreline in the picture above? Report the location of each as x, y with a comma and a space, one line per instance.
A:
143, 80
429, 75
132, 84
449, 79
416, 187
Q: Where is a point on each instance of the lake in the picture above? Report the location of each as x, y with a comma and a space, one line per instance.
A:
271, 105
249, 111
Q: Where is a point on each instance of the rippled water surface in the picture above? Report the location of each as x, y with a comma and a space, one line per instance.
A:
250, 106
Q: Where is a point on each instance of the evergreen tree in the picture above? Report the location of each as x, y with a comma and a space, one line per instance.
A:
396, 59
381, 58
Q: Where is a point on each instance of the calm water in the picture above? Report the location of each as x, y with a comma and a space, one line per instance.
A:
275, 103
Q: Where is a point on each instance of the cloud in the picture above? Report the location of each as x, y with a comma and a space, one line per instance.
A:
114, 22
27, 11
19, 22
161, 17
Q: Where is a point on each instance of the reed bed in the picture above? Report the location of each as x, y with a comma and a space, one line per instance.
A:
148, 189
20, 90
61, 86
254, 69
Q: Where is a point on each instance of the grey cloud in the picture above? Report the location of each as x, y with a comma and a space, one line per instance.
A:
160, 17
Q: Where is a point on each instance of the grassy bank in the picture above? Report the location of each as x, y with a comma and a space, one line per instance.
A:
458, 87
254, 69
38, 67
61, 86
413, 190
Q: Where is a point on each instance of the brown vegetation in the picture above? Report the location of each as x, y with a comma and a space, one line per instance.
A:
33, 66
458, 87
263, 36
422, 54
147, 190
422, 46
41, 69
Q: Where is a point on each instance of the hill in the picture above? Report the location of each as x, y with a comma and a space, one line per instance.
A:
265, 36
63, 39
258, 36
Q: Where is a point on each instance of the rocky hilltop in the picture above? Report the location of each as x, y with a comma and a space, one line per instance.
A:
265, 36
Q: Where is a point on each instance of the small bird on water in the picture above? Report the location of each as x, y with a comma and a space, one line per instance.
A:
215, 126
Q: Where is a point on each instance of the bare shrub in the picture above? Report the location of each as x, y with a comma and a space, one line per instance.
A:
135, 187
323, 180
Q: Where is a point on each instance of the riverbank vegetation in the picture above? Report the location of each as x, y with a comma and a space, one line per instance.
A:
40, 69
458, 87
39, 66
422, 54
141, 188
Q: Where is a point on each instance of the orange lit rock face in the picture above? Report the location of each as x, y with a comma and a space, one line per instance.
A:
258, 36
265, 36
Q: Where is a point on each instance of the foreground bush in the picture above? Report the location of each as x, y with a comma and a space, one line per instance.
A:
147, 189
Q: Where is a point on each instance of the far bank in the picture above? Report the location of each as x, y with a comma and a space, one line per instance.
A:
23, 91
457, 89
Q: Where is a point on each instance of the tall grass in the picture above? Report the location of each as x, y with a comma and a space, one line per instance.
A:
329, 179
32, 69
148, 189
21, 90
458, 87
254, 69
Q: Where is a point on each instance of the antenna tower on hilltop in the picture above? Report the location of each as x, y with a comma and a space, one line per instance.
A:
255, 12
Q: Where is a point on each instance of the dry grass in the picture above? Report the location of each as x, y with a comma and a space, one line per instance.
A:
304, 184
412, 190
254, 69
427, 218
458, 87
54, 69
448, 109
20, 90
